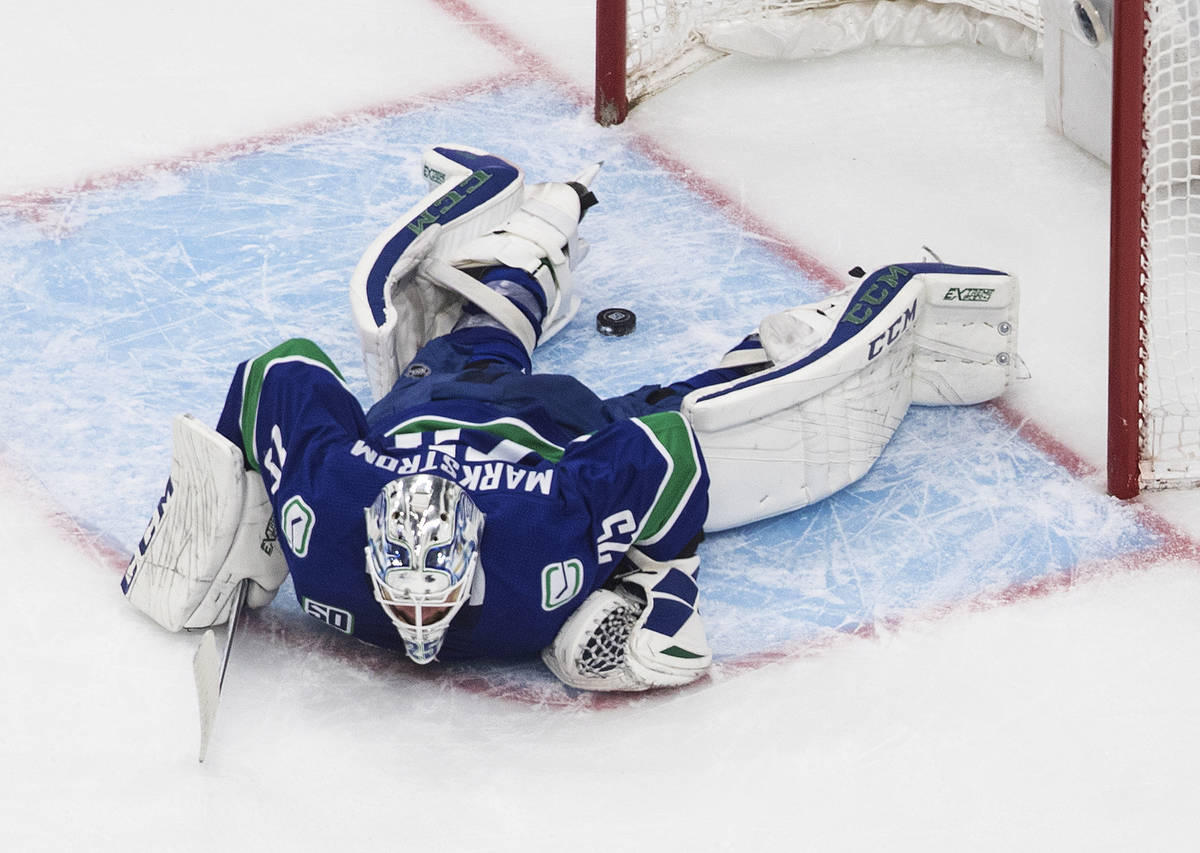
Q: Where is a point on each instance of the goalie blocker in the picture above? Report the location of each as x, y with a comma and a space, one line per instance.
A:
840, 377
212, 529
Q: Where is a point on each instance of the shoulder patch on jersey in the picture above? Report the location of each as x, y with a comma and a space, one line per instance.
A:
672, 436
297, 520
295, 350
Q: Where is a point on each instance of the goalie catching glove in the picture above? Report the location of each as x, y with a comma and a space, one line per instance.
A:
213, 529
644, 633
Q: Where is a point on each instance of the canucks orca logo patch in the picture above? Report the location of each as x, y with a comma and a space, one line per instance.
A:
560, 583
296, 520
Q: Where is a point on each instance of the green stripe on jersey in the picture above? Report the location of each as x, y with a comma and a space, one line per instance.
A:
673, 437
297, 349
505, 428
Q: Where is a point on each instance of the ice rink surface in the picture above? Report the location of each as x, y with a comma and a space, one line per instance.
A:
973, 648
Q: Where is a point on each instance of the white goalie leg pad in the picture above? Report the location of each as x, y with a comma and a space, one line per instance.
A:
395, 309
966, 348
818, 418
212, 529
646, 633
843, 374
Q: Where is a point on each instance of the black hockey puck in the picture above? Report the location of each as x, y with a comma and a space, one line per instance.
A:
615, 322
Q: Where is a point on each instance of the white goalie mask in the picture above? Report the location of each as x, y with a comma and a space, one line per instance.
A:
422, 553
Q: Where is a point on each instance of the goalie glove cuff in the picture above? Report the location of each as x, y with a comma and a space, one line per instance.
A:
668, 645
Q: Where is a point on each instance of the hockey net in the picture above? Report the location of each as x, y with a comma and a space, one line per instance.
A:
643, 46
1155, 306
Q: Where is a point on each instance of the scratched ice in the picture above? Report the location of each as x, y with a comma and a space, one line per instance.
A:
125, 306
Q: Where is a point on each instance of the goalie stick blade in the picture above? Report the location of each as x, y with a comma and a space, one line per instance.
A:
206, 666
209, 668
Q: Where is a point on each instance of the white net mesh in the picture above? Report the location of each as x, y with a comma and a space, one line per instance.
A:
670, 38
1171, 205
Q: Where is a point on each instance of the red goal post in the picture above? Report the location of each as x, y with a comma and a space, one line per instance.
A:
1154, 304
1127, 226
642, 46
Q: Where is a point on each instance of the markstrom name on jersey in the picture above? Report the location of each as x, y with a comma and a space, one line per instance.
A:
480, 477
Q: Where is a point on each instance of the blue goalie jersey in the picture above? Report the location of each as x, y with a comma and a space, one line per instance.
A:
561, 507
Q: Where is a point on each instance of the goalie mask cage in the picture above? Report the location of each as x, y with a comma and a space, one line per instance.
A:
642, 46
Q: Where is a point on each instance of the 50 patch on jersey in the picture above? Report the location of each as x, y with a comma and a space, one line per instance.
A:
335, 617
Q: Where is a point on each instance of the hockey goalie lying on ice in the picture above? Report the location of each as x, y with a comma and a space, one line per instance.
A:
478, 510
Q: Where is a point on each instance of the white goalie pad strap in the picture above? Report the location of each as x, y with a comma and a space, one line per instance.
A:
212, 529
555, 208
748, 352
472, 290
536, 242
744, 358
645, 634
542, 239
546, 225
472, 192
563, 307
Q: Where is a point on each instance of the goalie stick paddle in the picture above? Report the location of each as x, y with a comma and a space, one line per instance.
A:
209, 670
